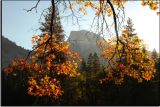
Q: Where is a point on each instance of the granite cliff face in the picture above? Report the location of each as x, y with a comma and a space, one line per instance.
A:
10, 50
84, 43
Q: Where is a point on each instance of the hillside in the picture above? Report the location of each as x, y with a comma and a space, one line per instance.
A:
10, 50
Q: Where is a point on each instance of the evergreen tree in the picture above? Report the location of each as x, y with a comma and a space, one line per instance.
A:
57, 32
56, 28
96, 63
90, 63
130, 31
130, 28
93, 64
83, 65
154, 55
144, 50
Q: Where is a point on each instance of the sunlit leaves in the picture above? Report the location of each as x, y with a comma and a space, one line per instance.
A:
129, 59
46, 87
83, 10
102, 7
147, 75
153, 4
49, 60
88, 4
20, 65
118, 3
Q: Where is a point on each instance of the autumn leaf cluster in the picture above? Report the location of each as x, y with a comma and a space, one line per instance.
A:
46, 63
102, 6
130, 59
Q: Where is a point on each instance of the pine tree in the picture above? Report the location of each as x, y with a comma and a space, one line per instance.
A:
130, 28
96, 63
90, 63
154, 55
144, 50
56, 28
83, 65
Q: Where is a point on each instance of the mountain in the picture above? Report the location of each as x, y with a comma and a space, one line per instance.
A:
84, 42
10, 50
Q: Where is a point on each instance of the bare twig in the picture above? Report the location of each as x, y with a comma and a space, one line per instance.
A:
35, 7
116, 31
42, 14
74, 15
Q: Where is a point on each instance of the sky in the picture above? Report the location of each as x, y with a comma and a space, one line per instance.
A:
19, 25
